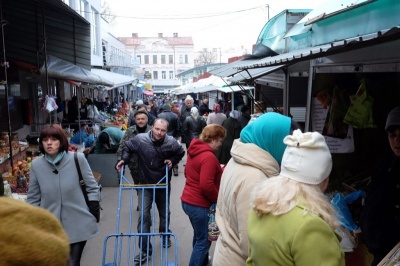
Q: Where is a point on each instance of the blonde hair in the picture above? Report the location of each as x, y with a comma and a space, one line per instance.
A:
278, 195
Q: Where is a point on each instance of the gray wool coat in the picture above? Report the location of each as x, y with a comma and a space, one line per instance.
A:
61, 194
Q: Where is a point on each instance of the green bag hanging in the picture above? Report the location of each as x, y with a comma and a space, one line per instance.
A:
360, 115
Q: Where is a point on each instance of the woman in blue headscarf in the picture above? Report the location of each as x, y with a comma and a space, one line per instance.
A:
257, 155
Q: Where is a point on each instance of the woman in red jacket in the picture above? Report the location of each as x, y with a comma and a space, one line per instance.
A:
203, 175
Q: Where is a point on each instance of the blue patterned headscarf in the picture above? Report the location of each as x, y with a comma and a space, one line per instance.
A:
268, 132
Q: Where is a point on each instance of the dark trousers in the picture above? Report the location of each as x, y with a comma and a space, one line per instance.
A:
145, 220
76, 253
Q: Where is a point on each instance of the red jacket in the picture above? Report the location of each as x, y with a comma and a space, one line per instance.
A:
203, 175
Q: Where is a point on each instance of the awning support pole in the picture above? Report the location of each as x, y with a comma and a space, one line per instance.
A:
5, 66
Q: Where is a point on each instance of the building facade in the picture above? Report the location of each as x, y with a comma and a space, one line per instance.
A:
161, 59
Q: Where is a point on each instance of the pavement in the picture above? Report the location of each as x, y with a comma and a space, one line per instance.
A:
179, 225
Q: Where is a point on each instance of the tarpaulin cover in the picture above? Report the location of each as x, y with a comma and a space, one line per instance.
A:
58, 68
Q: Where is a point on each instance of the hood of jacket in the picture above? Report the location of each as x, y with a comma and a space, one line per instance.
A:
197, 146
252, 155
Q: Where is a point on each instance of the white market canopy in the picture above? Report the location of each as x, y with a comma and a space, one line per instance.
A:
211, 83
118, 80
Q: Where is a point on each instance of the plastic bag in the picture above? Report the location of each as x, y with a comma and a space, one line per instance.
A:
50, 104
334, 125
359, 114
340, 204
213, 230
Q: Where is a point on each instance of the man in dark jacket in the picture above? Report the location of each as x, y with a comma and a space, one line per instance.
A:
203, 109
174, 127
140, 126
380, 217
244, 117
154, 149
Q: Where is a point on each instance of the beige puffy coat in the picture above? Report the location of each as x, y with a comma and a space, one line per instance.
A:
248, 166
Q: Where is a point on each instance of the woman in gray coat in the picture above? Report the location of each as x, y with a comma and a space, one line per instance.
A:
54, 185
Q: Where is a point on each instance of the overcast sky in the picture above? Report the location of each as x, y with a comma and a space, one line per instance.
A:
211, 23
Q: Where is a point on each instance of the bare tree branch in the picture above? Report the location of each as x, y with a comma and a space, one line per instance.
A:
106, 12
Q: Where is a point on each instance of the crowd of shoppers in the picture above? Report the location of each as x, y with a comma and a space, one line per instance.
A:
266, 177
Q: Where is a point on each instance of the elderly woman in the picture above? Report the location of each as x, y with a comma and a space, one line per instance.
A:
193, 126
216, 117
203, 175
54, 185
292, 222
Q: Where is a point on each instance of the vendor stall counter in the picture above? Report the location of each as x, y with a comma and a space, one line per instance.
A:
105, 164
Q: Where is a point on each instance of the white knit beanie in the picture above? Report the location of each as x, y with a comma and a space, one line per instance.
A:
307, 158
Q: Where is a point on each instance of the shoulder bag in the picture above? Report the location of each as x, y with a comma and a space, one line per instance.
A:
94, 206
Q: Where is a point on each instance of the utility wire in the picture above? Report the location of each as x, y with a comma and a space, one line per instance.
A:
183, 17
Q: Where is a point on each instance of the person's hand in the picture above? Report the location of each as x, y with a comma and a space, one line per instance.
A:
169, 163
118, 166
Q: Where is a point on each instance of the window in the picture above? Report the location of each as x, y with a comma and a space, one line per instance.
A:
155, 75
170, 59
164, 74
139, 58
186, 59
171, 75
81, 8
154, 59
181, 59
146, 59
94, 24
163, 59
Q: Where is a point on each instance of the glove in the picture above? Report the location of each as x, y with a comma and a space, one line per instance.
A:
94, 209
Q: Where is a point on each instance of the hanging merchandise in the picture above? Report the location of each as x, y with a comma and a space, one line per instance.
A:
50, 104
360, 115
334, 126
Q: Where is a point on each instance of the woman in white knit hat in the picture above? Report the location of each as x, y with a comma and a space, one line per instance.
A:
291, 221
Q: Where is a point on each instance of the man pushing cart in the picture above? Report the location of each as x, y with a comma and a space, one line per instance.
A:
157, 154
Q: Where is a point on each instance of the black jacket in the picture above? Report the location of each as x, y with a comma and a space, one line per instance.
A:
380, 217
174, 125
151, 155
204, 109
192, 128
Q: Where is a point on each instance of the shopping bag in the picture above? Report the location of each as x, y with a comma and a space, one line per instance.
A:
213, 230
334, 125
340, 202
360, 115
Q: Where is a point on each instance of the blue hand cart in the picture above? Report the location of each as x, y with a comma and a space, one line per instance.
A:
122, 247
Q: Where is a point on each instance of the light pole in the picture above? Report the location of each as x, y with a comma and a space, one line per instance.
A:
267, 6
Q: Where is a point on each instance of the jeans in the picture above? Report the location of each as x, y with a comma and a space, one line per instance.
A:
75, 253
145, 202
198, 217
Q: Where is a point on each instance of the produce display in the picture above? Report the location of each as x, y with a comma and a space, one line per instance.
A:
119, 120
18, 175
